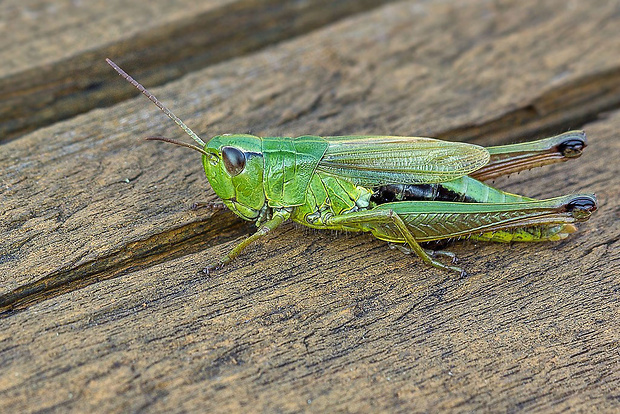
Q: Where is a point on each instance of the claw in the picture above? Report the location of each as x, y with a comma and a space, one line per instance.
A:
212, 268
456, 269
434, 253
440, 265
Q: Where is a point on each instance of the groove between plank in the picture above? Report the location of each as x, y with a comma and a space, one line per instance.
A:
196, 236
174, 243
43, 95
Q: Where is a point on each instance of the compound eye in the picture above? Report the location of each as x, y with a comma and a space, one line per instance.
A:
234, 160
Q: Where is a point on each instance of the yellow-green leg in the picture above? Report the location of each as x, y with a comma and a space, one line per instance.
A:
374, 218
278, 218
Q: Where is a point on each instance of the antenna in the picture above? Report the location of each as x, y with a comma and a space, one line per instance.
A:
180, 143
161, 106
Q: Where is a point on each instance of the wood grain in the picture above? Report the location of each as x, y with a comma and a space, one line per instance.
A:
51, 71
99, 248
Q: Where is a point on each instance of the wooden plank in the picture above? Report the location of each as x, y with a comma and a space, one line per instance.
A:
312, 320
326, 323
74, 191
51, 52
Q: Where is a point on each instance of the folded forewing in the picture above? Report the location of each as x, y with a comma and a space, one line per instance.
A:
381, 160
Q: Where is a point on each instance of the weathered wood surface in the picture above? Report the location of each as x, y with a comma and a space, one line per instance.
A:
99, 249
52, 52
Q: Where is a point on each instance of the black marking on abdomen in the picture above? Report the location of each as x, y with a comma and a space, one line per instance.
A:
416, 192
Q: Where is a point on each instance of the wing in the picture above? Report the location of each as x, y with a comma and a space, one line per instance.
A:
378, 160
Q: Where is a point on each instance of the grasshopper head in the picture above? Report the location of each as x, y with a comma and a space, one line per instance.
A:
233, 163
234, 167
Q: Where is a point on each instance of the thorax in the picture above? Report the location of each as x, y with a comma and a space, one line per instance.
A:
327, 196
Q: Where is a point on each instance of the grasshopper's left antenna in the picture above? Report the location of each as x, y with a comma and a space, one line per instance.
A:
153, 99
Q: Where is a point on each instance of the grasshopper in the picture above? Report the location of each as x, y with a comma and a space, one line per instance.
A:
403, 190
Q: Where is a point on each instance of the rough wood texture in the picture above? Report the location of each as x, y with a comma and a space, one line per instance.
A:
99, 249
53, 50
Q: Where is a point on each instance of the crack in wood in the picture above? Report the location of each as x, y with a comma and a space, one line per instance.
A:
165, 52
590, 96
172, 244
598, 93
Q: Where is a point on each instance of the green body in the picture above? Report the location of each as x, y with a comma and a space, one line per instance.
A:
329, 183
404, 190
314, 176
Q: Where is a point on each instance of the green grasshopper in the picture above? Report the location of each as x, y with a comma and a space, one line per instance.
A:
404, 190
